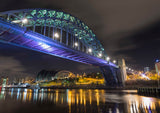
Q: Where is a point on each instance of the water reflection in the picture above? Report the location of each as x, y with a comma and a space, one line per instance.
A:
84, 100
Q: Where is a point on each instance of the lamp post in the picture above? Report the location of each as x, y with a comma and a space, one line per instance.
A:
100, 54
108, 58
114, 61
90, 51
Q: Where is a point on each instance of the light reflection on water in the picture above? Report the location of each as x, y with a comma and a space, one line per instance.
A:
83, 100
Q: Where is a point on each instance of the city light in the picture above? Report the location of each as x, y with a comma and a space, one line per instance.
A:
76, 44
129, 69
90, 50
56, 35
108, 58
144, 76
24, 20
114, 61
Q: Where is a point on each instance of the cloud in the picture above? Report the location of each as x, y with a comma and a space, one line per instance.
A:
9, 64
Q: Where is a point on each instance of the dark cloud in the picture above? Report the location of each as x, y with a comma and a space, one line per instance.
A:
9, 64
145, 48
127, 29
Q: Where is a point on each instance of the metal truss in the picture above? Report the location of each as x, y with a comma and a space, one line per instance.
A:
72, 31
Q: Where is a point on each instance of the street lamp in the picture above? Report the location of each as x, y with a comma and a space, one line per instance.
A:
108, 58
56, 35
90, 50
100, 54
114, 61
76, 44
24, 20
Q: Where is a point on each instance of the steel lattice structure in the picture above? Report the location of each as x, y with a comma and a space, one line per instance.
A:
47, 22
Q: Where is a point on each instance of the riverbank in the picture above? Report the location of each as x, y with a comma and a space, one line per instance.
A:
140, 83
150, 91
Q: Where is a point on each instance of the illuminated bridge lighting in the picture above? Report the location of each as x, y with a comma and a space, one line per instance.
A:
90, 50
114, 61
24, 20
108, 58
100, 54
55, 33
76, 44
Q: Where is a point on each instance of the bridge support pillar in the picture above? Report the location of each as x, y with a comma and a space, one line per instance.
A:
112, 76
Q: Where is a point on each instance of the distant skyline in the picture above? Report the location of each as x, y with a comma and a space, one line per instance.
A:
126, 29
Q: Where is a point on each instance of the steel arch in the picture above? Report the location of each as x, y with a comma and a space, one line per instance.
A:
58, 21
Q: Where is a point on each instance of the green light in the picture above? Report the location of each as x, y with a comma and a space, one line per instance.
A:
59, 15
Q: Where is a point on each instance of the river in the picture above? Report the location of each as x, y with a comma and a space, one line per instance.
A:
17, 100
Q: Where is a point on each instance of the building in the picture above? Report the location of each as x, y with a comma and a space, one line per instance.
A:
4, 81
146, 69
157, 67
45, 75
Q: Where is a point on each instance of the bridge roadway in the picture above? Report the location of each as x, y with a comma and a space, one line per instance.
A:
16, 35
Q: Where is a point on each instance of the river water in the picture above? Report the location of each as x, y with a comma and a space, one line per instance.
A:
17, 100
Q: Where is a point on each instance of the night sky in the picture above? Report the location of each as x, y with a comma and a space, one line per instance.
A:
127, 29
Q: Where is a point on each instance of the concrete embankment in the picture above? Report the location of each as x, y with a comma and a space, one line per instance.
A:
151, 91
